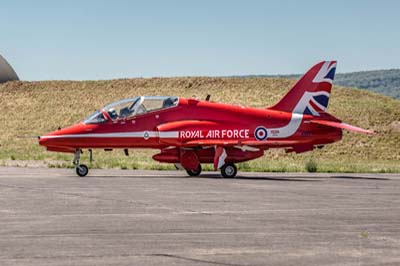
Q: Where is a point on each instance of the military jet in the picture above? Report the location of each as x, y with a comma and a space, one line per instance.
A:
191, 132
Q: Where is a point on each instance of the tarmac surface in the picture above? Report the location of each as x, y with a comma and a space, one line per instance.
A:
121, 217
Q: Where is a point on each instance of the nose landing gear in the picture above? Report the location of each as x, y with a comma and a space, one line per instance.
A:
80, 169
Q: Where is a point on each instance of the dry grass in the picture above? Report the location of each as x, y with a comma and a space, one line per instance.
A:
35, 108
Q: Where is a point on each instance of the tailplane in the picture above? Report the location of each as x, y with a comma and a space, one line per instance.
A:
342, 125
310, 95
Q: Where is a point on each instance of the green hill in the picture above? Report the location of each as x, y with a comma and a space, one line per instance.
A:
35, 108
386, 82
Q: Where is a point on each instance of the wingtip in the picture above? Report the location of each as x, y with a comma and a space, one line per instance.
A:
371, 132
343, 125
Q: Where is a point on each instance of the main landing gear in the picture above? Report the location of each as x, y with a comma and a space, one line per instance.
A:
195, 172
80, 169
229, 170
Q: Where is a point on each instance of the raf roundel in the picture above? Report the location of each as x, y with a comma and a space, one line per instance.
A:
260, 133
146, 135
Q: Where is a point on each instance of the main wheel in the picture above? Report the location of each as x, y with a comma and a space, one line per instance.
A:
195, 172
229, 170
82, 170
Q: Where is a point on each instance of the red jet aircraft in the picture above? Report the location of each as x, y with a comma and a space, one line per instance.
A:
190, 132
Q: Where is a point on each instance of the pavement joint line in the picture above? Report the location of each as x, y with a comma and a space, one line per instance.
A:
197, 260
79, 235
172, 256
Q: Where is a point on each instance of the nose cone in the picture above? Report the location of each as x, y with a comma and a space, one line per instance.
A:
62, 138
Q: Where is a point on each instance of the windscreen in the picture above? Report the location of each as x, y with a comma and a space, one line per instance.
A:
95, 118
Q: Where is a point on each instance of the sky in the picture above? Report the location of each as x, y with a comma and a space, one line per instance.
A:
80, 40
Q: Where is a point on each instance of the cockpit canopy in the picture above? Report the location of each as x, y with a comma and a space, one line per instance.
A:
131, 107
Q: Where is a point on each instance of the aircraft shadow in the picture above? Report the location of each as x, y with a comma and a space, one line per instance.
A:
360, 177
239, 177
212, 176
260, 178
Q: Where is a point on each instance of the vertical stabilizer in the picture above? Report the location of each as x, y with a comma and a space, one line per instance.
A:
310, 95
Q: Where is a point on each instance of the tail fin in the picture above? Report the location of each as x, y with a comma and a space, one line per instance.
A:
310, 95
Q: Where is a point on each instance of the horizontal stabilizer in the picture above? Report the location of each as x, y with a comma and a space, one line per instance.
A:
342, 126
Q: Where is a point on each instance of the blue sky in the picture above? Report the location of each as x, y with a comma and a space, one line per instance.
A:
116, 39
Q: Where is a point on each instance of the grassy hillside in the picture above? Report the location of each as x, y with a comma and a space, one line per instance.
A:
35, 108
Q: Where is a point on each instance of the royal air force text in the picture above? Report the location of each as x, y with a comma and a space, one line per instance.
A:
215, 134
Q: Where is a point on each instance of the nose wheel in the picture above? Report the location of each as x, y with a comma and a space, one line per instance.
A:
80, 169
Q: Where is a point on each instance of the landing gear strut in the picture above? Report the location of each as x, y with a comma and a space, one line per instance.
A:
229, 170
80, 169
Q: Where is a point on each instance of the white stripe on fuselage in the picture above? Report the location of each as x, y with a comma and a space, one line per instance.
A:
169, 135
281, 132
137, 134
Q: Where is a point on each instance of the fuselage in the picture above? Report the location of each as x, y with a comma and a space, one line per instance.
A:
192, 122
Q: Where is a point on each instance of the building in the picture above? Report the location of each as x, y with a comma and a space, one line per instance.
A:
6, 71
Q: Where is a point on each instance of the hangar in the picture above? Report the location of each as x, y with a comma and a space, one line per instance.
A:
7, 73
